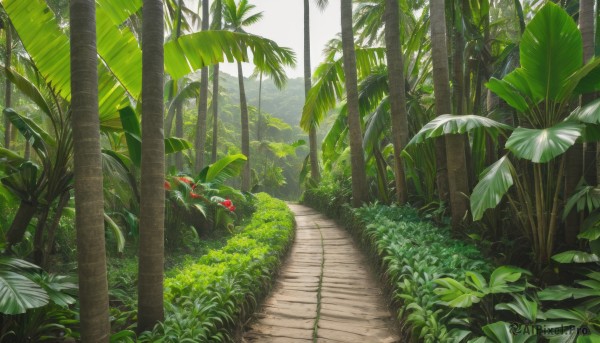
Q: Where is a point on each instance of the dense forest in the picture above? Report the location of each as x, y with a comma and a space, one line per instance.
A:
143, 189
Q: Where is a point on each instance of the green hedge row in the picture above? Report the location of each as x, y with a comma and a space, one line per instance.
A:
411, 252
207, 300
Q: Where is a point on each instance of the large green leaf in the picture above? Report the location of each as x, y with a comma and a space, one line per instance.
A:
228, 166
494, 182
175, 144
119, 48
59, 288
18, 293
451, 124
590, 113
502, 332
574, 256
29, 89
191, 52
35, 135
551, 50
329, 85
49, 49
509, 93
133, 134
542, 145
116, 232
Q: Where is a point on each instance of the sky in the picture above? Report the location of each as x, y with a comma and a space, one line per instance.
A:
283, 22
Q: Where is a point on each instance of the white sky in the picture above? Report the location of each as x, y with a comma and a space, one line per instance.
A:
283, 22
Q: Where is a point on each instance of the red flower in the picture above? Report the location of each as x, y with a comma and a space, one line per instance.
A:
195, 196
227, 203
167, 185
231, 208
185, 179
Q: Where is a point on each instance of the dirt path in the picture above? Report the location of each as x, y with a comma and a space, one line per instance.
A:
325, 293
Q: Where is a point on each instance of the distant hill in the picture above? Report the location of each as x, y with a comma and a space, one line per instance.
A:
285, 104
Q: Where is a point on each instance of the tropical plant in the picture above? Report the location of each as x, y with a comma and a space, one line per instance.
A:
207, 299
236, 17
540, 93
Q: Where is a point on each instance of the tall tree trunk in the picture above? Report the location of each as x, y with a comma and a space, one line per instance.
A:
360, 189
8, 89
49, 244
89, 195
245, 130
152, 205
312, 133
202, 102
575, 155
179, 134
397, 93
216, 25
455, 148
259, 120
215, 108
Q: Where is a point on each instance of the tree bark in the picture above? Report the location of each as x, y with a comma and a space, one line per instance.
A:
312, 133
215, 108
152, 205
397, 94
179, 134
245, 130
202, 102
259, 120
455, 148
19, 224
574, 169
89, 196
360, 189
8, 89
49, 244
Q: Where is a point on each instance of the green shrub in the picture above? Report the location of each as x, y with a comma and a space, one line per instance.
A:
206, 300
412, 253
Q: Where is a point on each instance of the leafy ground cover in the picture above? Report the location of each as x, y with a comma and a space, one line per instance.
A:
206, 300
411, 252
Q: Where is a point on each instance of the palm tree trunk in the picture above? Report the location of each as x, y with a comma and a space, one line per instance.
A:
397, 94
202, 102
245, 130
360, 189
89, 198
575, 155
312, 133
8, 89
152, 205
215, 108
179, 134
455, 148
259, 120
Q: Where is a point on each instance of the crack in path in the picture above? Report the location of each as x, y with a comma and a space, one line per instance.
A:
325, 291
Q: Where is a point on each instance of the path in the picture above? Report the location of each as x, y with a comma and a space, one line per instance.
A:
324, 293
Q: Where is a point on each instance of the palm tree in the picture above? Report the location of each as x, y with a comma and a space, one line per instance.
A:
152, 205
8, 89
397, 93
312, 133
455, 149
360, 189
89, 199
216, 25
202, 102
237, 17
575, 156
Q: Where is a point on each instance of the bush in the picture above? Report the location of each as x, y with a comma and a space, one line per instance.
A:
206, 301
411, 252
